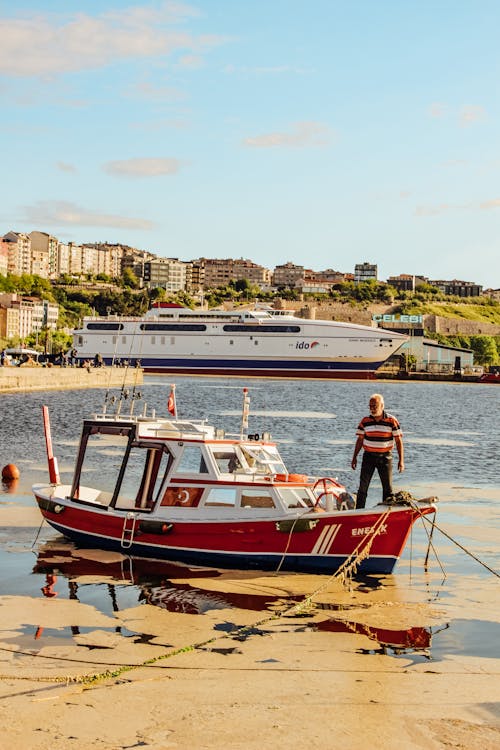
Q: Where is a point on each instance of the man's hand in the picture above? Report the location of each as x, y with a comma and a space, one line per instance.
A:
401, 465
354, 462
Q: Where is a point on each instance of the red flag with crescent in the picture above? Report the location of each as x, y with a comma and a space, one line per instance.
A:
171, 403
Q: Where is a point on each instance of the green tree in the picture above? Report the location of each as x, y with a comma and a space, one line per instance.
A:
485, 350
129, 279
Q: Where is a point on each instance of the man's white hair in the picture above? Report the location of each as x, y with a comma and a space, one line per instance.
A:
377, 397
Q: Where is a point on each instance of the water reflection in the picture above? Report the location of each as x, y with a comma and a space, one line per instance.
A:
393, 642
153, 580
70, 571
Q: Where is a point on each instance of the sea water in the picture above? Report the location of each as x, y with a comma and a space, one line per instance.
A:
452, 448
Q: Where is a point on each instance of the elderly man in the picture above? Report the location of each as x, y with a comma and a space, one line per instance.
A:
376, 434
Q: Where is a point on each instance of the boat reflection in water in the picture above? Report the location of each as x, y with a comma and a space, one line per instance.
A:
152, 579
393, 642
163, 585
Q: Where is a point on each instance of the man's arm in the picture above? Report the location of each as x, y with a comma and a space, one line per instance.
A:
401, 452
357, 448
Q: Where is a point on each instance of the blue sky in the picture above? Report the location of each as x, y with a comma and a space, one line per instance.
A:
321, 132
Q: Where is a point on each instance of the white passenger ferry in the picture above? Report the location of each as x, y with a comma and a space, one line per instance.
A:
260, 342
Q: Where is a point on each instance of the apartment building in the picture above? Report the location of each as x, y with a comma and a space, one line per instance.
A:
288, 275
169, 273
21, 315
18, 252
218, 272
365, 272
458, 288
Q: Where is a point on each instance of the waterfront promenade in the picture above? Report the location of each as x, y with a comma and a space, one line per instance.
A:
14, 379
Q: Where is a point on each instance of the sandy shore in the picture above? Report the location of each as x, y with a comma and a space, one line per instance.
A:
233, 677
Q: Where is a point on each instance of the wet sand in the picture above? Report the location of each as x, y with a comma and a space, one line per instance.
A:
310, 669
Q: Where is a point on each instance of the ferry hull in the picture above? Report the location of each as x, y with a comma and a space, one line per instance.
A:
260, 369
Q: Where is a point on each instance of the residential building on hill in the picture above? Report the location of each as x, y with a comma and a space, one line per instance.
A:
219, 272
407, 282
365, 272
169, 273
18, 252
21, 315
288, 275
458, 288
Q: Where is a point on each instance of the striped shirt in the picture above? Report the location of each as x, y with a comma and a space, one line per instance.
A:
378, 435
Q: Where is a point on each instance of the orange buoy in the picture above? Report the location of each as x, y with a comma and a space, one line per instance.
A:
10, 472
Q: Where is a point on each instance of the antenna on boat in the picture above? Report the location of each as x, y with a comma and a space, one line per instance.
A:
52, 460
245, 412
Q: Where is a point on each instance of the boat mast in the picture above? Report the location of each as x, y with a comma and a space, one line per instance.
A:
245, 412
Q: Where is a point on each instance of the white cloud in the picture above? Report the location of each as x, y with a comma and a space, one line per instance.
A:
494, 203
142, 167
64, 213
64, 167
437, 110
47, 45
146, 90
303, 134
470, 114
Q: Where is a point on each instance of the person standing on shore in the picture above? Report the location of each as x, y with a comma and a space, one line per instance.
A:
376, 434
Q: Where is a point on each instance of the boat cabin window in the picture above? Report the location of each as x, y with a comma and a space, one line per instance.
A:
257, 498
298, 497
144, 473
221, 497
227, 461
113, 469
191, 461
264, 460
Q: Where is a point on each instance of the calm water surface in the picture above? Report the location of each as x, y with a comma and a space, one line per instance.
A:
452, 444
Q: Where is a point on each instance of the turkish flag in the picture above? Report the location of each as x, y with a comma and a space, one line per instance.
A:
171, 403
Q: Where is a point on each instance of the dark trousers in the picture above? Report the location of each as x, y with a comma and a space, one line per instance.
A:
371, 461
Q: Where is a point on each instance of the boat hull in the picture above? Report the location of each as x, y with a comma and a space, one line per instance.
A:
320, 544
261, 369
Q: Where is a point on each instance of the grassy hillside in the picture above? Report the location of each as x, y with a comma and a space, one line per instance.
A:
488, 311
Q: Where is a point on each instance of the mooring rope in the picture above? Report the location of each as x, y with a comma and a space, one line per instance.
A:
454, 541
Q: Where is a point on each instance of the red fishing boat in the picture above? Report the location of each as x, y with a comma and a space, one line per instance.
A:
163, 488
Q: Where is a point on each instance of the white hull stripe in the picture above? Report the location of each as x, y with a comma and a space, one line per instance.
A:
325, 539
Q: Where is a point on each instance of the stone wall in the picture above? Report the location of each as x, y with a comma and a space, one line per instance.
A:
14, 379
349, 314
453, 326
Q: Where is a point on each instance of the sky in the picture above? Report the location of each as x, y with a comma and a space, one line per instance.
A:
321, 132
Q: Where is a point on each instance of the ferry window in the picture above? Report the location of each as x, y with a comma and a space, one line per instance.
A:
192, 461
256, 499
221, 497
105, 326
262, 328
153, 340
124, 339
296, 498
172, 327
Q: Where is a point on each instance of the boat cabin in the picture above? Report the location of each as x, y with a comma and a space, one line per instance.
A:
170, 467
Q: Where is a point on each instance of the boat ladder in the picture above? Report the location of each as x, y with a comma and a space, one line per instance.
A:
128, 530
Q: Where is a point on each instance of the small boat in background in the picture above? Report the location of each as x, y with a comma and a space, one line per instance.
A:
492, 376
163, 488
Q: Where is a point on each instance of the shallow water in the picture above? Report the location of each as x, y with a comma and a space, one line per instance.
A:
452, 448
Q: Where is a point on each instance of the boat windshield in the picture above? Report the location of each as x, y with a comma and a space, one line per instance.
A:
263, 459
115, 469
